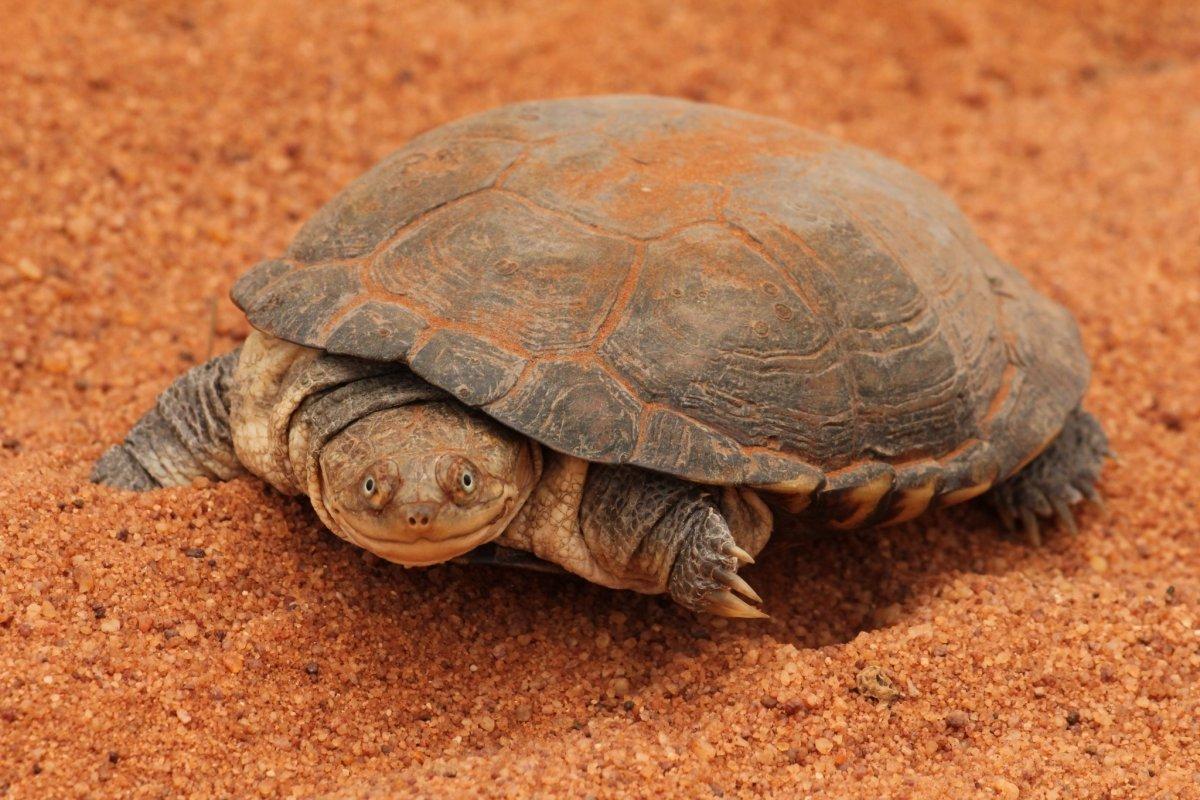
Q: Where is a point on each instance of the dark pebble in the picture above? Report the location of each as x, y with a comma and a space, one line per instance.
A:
792, 707
194, 552
311, 668
1072, 718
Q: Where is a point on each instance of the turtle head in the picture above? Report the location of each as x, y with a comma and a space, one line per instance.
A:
426, 482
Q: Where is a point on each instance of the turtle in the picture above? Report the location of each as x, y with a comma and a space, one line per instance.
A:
619, 336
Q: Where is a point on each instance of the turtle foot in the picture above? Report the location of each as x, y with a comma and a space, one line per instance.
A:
704, 577
1063, 475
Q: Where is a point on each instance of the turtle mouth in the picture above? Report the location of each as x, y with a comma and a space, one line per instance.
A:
423, 551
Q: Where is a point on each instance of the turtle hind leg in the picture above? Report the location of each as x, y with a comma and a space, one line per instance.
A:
186, 435
1061, 476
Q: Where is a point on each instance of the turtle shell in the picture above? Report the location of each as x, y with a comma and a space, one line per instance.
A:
692, 289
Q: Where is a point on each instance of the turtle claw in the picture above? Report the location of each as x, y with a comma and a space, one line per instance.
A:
1029, 523
741, 555
738, 584
725, 603
704, 574
1063, 475
1063, 512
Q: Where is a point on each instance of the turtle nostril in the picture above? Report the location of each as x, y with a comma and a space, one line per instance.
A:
419, 516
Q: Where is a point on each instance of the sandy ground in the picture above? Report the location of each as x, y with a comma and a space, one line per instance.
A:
215, 641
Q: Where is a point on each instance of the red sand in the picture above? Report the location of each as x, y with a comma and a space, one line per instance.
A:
214, 640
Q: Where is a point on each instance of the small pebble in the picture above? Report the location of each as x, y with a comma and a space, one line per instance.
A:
1006, 789
29, 270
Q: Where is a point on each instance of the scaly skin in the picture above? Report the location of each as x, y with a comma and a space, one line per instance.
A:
184, 437
395, 466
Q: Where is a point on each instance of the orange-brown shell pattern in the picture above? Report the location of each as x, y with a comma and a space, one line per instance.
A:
692, 289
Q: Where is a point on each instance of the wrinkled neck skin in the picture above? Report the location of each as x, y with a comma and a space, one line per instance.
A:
334, 427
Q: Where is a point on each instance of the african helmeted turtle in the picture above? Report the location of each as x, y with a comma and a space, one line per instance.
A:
619, 334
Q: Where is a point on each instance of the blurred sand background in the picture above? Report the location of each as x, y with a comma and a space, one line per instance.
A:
214, 641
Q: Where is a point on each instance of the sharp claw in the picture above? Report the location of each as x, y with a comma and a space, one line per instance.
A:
1064, 514
1032, 531
726, 604
1041, 504
738, 584
741, 555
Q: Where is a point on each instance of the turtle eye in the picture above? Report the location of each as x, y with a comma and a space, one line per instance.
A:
378, 484
459, 478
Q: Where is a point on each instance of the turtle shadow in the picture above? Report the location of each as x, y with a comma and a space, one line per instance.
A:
550, 654
820, 589
824, 588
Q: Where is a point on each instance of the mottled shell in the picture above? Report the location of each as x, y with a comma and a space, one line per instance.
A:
692, 289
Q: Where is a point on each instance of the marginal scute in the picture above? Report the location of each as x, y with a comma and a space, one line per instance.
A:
246, 288
378, 330
850, 497
968, 473
298, 305
560, 403
672, 442
472, 369
795, 493
915, 486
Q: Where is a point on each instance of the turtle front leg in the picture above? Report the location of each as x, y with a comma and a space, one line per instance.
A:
630, 528
186, 435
